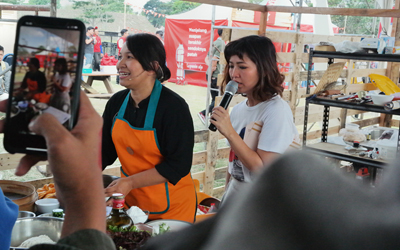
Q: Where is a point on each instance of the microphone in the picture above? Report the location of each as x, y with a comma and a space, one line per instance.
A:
230, 90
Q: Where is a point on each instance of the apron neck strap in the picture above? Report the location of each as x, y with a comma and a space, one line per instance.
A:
153, 103
151, 109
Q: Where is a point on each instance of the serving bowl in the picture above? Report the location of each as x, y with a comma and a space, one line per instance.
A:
381, 99
25, 214
26, 228
46, 205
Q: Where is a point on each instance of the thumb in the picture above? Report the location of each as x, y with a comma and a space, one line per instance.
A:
47, 126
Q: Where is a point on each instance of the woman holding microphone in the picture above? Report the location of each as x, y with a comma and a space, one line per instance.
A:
261, 127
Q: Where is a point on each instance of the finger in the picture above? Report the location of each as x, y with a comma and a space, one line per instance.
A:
109, 202
110, 191
47, 126
113, 183
27, 162
88, 117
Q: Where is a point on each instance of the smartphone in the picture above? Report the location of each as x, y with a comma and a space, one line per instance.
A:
46, 76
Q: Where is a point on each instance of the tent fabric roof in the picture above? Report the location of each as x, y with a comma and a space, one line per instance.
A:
203, 12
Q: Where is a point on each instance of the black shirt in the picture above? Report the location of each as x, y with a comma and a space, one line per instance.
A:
173, 124
37, 76
89, 48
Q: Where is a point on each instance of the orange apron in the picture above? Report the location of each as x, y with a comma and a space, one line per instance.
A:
39, 97
138, 150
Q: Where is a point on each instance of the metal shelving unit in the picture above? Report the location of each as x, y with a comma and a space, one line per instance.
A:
337, 151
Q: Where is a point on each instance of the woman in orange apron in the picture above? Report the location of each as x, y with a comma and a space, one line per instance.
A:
150, 129
35, 82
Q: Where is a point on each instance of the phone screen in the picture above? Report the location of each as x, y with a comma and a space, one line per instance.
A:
45, 79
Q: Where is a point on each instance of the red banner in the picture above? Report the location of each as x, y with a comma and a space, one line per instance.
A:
187, 43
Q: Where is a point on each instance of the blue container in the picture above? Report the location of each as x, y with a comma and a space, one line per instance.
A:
87, 71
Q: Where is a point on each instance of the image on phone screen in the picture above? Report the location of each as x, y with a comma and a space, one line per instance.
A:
45, 72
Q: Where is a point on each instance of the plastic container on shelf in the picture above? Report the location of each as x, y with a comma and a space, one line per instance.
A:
388, 147
384, 84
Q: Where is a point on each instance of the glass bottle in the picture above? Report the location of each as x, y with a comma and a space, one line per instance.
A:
118, 217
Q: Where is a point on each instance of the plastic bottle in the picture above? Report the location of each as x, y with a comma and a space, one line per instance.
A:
213, 209
118, 217
180, 52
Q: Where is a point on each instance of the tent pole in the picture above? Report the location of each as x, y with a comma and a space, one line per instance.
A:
299, 17
209, 72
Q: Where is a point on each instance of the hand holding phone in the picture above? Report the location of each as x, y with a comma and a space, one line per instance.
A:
48, 83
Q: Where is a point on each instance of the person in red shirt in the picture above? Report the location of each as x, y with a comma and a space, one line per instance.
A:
122, 39
120, 43
98, 50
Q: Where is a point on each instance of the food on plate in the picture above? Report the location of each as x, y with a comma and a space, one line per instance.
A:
59, 213
36, 240
47, 191
162, 228
128, 238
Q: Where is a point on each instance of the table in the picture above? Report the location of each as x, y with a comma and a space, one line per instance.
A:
101, 76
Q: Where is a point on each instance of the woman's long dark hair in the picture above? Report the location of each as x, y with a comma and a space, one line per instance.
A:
64, 65
261, 51
147, 49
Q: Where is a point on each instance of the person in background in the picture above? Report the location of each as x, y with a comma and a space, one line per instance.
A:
36, 83
5, 76
299, 202
252, 64
62, 84
98, 50
150, 130
217, 47
160, 35
8, 216
120, 42
90, 41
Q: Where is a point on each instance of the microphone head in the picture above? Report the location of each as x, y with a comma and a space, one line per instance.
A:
231, 87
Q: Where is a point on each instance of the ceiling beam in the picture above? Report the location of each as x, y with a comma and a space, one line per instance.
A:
304, 10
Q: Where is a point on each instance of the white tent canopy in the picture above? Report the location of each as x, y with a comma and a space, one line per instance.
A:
203, 12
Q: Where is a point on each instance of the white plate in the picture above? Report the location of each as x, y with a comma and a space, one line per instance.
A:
174, 225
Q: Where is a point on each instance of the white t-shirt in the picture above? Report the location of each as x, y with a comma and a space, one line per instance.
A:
277, 132
64, 79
